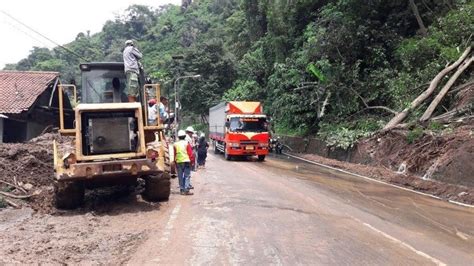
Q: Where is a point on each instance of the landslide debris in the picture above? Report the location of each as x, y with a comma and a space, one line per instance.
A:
26, 171
435, 163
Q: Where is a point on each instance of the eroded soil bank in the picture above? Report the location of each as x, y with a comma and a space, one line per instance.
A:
435, 163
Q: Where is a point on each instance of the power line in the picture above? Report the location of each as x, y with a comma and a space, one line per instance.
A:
24, 32
35, 31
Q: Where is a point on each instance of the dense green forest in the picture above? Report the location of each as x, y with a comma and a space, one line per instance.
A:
316, 64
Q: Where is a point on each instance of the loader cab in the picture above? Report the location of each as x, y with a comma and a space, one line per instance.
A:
103, 83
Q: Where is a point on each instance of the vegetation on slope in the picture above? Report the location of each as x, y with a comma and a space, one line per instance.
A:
333, 68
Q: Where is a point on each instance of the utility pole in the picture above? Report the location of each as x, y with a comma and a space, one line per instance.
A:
176, 100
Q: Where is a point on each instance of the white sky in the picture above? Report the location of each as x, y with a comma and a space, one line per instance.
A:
58, 20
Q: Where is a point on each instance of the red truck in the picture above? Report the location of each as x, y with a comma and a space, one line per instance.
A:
239, 129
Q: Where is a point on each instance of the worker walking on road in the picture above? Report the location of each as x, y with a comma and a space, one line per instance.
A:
202, 147
131, 57
190, 138
183, 159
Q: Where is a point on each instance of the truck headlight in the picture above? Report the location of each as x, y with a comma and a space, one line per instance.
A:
263, 144
235, 144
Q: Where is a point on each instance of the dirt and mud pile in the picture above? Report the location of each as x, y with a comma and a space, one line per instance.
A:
436, 163
26, 171
444, 157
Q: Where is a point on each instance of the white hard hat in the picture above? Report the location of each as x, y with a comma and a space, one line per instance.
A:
190, 129
128, 42
181, 133
203, 135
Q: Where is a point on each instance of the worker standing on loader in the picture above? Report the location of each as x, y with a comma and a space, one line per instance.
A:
152, 112
183, 159
131, 57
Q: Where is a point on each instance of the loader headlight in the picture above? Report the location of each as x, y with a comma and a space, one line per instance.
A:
152, 154
263, 144
68, 159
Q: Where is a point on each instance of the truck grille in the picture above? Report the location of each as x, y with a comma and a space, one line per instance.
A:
251, 142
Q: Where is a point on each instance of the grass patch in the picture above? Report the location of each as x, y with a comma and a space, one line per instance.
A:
414, 135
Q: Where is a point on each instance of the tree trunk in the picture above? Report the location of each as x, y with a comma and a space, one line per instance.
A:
422, 97
445, 90
414, 8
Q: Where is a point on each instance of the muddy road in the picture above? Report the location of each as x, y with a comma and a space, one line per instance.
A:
276, 212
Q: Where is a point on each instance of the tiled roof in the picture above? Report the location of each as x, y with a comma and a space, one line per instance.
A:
20, 89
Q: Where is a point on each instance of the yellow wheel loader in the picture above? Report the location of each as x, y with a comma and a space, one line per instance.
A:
111, 142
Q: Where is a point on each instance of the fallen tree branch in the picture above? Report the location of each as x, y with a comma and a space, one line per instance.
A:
452, 119
452, 113
14, 186
372, 107
325, 103
422, 97
13, 196
402, 126
462, 86
11, 203
431, 108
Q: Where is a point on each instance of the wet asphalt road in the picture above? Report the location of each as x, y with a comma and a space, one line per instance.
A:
291, 213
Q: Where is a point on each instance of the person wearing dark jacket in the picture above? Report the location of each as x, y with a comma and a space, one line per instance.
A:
202, 147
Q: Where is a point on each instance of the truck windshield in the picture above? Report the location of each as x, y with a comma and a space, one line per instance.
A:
103, 86
247, 124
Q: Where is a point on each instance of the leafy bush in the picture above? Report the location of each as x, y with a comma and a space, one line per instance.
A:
414, 135
435, 126
3, 203
345, 135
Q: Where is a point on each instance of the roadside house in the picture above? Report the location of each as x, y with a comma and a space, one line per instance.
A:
29, 104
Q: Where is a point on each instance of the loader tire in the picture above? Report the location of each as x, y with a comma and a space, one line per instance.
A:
170, 166
68, 195
157, 187
261, 158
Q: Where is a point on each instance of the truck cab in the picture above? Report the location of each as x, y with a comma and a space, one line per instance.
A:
239, 129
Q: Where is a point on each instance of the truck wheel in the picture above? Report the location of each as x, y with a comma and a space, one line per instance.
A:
216, 151
157, 187
261, 158
68, 195
226, 155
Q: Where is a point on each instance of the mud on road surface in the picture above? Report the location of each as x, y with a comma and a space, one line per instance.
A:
435, 163
107, 230
445, 191
116, 225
